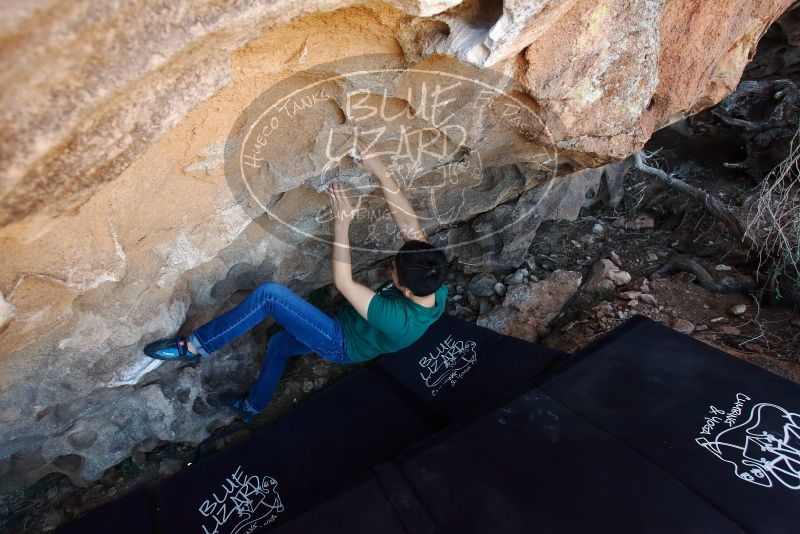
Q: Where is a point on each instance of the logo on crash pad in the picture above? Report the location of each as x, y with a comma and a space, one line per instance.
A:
450, 361
243, 504
761, 441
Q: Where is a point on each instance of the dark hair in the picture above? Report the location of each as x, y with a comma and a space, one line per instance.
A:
421, 267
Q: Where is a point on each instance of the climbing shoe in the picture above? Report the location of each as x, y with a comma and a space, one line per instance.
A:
171, 349
240, 405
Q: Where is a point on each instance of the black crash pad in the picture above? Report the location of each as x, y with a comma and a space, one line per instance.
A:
457, 367
365, 508
360, 421
251, 484
130, 514
532, 465
727, 429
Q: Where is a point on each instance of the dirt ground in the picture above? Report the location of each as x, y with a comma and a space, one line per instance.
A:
766, 334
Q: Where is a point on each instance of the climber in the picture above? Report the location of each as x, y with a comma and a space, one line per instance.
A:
368, 324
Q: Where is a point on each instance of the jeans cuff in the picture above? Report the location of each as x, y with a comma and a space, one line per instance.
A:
196, 342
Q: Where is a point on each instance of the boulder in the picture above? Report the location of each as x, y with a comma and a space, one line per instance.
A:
528, 309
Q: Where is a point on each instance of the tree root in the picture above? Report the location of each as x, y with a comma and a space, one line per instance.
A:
711, 203
687, 264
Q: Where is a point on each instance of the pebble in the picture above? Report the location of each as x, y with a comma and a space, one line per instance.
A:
620, 278
717, 319
516, 278
630, 295
614, 257
737, 309
652, 256
500, 289
482, 284
722, 267
732, 330
648, 299
464, 311
598, 228
683, 326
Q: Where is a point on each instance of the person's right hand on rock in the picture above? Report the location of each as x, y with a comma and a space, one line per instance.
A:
370, 161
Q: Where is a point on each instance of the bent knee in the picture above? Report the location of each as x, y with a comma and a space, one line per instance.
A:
271, 287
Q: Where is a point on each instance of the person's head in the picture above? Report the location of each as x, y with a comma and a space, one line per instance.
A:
419, 268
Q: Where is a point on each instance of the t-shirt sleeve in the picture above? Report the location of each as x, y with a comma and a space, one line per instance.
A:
386, 314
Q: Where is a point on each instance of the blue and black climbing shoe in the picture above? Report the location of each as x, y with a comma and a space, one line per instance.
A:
172, 349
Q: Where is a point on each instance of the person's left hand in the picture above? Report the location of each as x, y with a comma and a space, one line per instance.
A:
343, 211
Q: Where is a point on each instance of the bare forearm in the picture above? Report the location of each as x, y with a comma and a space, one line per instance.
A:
342, 268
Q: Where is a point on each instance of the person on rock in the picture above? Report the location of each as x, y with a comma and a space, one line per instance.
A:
368, 324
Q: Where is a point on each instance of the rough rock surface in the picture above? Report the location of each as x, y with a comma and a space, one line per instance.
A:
118, 226
528, 309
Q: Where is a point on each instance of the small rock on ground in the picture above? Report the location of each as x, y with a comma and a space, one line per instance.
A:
482, 285
737, 309
683, 326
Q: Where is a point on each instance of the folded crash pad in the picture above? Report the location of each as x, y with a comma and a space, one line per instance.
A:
727, 429
457, 367
130, 514
249, 485
532, 465
360, 421
364, 508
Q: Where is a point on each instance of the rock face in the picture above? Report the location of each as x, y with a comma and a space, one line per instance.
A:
119, 223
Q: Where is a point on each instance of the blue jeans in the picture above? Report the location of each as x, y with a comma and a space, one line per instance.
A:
306, 329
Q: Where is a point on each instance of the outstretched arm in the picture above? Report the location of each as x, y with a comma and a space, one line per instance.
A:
399, 206
356, 294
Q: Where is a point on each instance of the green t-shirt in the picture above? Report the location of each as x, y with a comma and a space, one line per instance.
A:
394, 322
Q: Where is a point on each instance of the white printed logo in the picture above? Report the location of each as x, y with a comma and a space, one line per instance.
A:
254, 500
763, 450
447, 364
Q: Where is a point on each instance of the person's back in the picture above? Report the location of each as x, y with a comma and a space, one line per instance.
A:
394, 320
